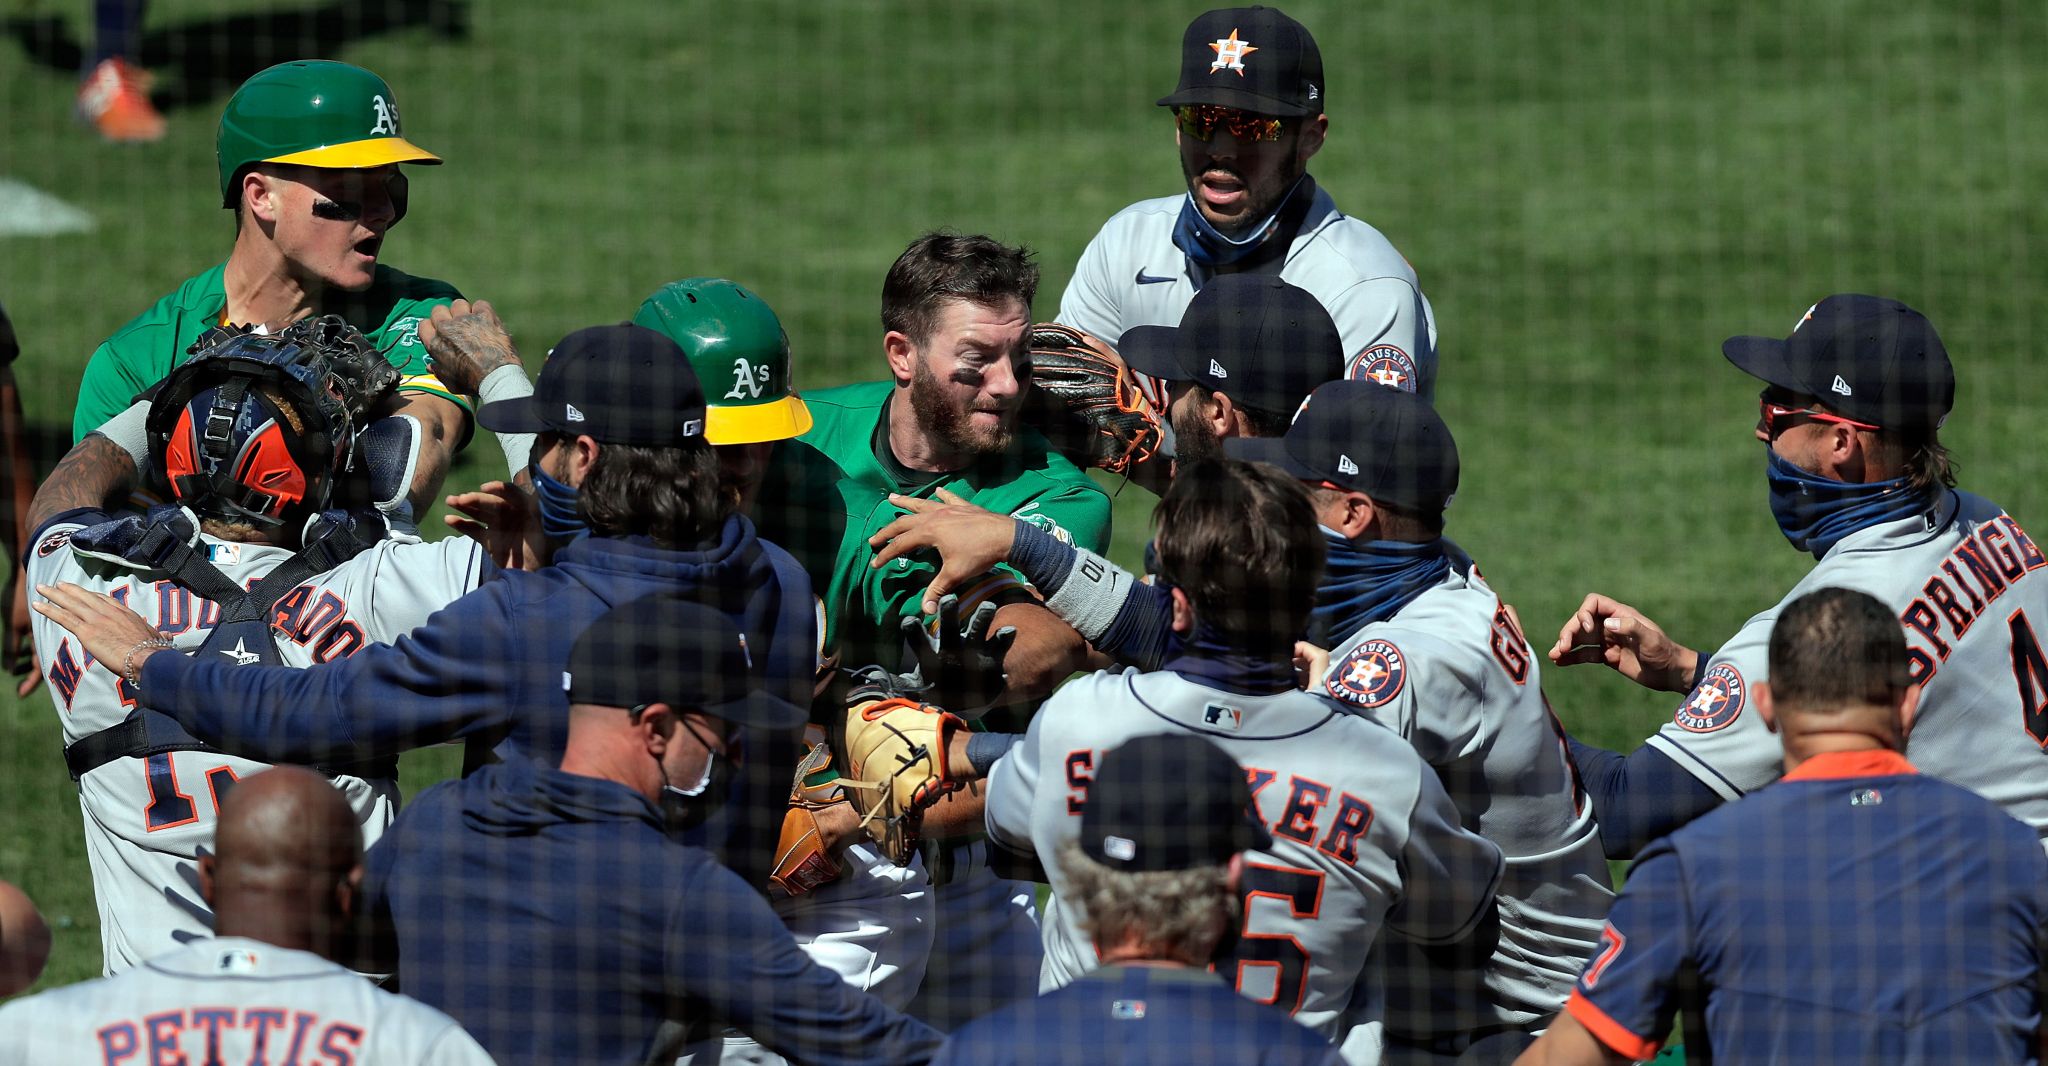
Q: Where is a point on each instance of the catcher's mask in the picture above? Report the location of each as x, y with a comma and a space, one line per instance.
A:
225, 445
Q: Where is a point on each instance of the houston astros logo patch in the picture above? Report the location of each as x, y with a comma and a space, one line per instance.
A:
1715, 703
1386, 364
1371, 675
1230, 53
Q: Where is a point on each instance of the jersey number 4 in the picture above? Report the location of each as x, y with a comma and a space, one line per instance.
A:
2030, 671
170, 807
1278, 955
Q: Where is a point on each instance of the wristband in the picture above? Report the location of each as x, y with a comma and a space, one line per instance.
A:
1091, 595
509, 382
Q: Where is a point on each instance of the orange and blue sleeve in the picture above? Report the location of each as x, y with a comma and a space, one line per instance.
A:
1627, 994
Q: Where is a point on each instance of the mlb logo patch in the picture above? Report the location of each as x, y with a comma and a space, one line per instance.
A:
1715, 704
237, 961
1223, 717
1372, 675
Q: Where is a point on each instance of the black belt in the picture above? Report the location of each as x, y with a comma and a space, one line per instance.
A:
146, 733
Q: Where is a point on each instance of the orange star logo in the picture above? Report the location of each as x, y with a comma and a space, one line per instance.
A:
1230, 53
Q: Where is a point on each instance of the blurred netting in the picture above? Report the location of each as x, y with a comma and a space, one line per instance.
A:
1593, 195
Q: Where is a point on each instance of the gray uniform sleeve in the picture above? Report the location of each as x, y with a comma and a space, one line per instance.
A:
1715, 732
1379, 314
1013, 784
1448, 873
407, 583
1091, 303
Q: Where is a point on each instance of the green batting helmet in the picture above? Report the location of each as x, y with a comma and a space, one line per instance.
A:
740, 353
314, 113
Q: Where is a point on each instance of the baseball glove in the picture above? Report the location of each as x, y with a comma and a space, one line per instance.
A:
895, 752
357, 372
803, 861
1087, 402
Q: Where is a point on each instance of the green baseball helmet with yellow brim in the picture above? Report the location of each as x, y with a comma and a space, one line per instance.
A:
315, 113
740, 353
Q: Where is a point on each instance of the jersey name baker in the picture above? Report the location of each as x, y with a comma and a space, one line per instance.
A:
313, 618
1965, 585
1310, 816
295, 1036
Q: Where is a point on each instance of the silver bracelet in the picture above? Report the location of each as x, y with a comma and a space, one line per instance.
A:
128, 661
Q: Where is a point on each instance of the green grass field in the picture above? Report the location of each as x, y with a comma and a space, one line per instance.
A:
1594, 195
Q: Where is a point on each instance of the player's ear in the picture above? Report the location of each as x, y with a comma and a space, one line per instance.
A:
348, 890
582, 456
903, 355
1360, 516
206, 867
1225, 418
1909, 709
656, 727
1183, 611
1760, 694
259, 196
1312, 133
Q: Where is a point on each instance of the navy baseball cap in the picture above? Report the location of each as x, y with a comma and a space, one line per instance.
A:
668, 649
1361, 435
1865, 358
1251, 58
1252, 337
1169, 802
622, 384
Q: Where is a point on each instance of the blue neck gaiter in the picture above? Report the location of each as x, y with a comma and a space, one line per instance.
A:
1815, 513
559, 518
1207, 246
1208, 659
1371, 582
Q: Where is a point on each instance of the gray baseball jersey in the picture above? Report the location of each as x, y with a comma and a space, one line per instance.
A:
1364, 836
231, 1000
1452, 673
1962, 578
1132, 274
145, 818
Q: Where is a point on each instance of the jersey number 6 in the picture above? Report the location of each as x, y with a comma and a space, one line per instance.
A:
1302, 892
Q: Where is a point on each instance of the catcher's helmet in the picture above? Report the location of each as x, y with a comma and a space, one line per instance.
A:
249, 430
740, 353
314, 113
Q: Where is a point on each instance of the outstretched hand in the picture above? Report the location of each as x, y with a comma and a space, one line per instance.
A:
1605, 630
969, 540
504, 519
104, 626
959, 665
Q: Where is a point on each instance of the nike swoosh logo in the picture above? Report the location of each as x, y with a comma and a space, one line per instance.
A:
1147, 279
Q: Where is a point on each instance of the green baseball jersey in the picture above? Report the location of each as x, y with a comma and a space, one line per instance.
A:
828, 492
140, 353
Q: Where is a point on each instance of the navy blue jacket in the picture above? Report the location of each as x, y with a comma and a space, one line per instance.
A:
489, 664
488, 669
551, 915
1138, 1015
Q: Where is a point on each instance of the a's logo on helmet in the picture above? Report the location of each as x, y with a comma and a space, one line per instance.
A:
1371, 675
1386, 364
387, 117
748, 380
1230, 53
1715, 703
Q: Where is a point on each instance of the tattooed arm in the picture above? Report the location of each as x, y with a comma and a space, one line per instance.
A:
473, 355
95, 471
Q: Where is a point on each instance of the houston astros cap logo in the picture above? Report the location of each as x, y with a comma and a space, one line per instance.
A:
1715, 704
1371, 675
1230, 53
